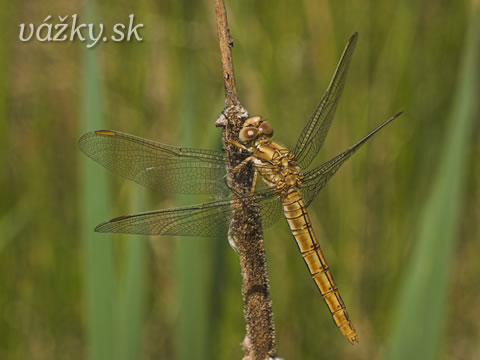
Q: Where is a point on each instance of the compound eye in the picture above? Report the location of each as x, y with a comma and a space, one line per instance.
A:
253, 121
266, 128
248, 134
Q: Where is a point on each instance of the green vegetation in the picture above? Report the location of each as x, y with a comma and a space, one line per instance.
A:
426, 286
398, 223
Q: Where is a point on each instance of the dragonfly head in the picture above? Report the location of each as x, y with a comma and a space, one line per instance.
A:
255, 128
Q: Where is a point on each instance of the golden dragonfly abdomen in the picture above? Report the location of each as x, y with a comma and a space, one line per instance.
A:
301, 228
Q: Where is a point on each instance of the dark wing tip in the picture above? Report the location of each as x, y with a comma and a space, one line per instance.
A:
101, 227
373, 132
353, 37
389, 120
104, 227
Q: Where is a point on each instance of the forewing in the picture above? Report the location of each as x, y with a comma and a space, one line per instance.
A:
314, 133
316, 178
155, 165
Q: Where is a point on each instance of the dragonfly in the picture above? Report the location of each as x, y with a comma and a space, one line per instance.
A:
289, 187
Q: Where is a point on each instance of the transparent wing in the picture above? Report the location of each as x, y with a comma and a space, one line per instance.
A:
207, 219
270, 210
313, 135
155, 165
316, 178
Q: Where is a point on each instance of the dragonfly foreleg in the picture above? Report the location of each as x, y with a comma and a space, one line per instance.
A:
238, 145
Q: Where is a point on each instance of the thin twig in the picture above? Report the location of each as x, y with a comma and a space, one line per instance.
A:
245, 229
226, 44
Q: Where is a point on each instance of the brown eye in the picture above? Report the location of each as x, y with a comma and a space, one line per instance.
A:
266, 128
248, 134
253, 121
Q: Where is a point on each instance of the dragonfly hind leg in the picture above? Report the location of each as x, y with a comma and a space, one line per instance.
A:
240, 166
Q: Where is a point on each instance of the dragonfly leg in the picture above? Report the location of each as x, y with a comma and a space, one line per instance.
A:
254, 182
237, 168
245, 162
237, 144
240, 166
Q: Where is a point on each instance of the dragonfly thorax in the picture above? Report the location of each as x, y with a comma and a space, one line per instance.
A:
274, 162
277, 166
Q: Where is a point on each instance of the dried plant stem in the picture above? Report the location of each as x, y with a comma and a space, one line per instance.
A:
226, 44
245, 229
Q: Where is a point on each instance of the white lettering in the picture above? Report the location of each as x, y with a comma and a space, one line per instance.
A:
92, 36
116, 30
47, 31
61, 29
134, 30
76, 30
22, 29
48, 27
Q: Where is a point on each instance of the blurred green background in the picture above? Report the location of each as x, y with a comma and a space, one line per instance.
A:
399, 223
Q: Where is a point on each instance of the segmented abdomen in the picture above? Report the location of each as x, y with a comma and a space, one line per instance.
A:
301, 227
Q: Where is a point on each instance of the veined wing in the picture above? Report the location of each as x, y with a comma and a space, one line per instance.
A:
207, 219
315, 131
155, 165
316, 178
